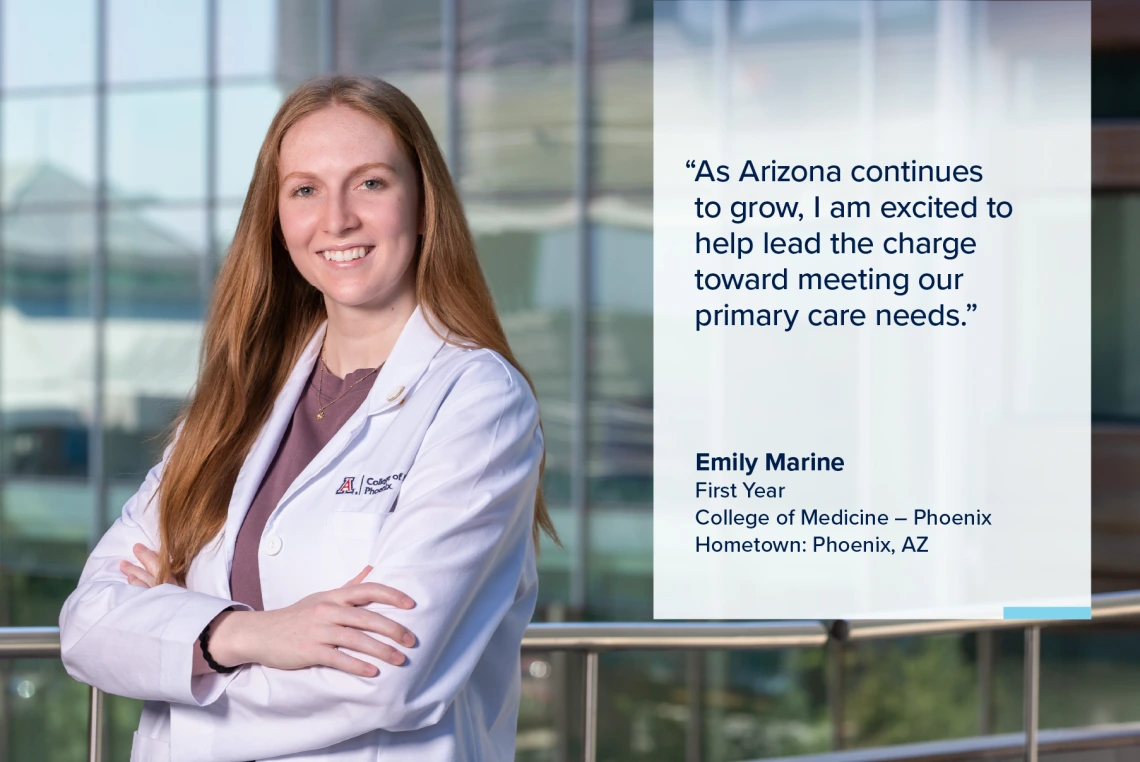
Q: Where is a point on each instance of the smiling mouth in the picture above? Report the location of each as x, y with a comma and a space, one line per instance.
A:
346, 255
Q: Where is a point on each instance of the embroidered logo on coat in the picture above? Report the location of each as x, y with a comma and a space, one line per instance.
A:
370, 485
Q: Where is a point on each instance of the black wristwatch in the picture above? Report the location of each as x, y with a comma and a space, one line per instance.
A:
204, 642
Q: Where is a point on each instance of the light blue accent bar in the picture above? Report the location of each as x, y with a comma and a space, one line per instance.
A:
1047, 612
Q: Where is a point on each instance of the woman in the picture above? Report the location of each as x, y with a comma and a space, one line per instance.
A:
358, 412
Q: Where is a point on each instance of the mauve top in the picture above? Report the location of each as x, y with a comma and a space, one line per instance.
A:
304, 437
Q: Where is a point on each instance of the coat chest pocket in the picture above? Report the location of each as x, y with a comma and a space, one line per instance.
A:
347, 541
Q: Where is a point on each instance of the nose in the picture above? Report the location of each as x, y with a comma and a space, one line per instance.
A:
340, 218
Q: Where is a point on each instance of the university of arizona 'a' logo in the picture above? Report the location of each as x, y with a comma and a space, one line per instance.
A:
346, 487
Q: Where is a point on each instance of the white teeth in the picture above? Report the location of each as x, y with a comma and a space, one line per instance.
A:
347, 255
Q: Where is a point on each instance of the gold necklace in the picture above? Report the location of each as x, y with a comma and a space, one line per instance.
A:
321, 385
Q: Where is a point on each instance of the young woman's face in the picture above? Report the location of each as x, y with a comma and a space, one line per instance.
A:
349, 208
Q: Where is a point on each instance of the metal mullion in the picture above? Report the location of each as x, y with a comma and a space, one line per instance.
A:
327, 31
207, 266
95, 458
177, 83
449, 60
98, 294
580, 317
5, 598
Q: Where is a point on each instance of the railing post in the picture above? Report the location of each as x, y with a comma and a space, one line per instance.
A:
695, 681
590, 737
985, 640
1032, 689
836, 687
95, 727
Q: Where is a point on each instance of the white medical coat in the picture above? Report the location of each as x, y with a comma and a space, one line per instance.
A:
443, 459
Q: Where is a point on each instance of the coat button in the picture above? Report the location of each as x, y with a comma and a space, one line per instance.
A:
392, 395
273, 545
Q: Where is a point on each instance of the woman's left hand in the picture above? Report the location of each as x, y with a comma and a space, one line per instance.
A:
147, 574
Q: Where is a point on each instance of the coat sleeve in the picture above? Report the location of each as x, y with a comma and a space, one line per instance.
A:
459, 543
129, 640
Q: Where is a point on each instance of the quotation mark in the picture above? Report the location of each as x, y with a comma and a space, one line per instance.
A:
970, 308
690, 164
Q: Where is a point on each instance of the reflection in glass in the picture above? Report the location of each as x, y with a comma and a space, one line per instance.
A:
46, 382
302, 41
154, 40
49, 42
153, 331
399, 42
157, 145
621, 53
244, 114
620, 456
49, 150
225, 223
542, 685
247, 38
380, 37
516, 97
1116, 308
527, 253
46, 711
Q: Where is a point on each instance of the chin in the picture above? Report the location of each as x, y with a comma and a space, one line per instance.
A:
357, 299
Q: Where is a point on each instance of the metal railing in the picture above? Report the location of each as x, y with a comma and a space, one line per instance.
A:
593, 639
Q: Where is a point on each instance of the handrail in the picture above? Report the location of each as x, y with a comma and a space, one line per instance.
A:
29, 642
679, 636
593, 638
1005, 746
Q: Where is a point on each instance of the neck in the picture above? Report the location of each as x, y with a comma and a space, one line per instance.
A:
363, 338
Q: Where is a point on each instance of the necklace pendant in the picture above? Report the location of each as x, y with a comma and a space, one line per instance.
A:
320, 414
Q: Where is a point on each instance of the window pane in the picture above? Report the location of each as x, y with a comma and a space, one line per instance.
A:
153, 332
527, 254
49, 42
244, 114
247, 38
151, 40
379, 37
225, 223
620, 461
1116, 306
157, 145
302, 41
622, 128
399, 42
517, 97
46, 382
47, 712
49, 151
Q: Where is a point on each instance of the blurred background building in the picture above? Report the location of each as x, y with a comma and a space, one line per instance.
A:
128, 130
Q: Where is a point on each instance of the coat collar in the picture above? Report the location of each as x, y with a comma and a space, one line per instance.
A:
416, 346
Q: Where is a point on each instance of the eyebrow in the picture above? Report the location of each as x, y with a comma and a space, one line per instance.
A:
355, 171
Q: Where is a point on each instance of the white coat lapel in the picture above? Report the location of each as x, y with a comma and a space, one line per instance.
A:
410, 357
263, 449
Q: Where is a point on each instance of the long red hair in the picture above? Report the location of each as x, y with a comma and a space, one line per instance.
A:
263, 313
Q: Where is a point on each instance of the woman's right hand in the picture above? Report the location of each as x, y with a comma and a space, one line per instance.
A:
311, 631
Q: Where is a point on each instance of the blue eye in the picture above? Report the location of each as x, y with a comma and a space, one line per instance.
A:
373, 184
304, 191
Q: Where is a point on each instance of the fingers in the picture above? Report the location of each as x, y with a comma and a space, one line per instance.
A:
137, 576
345, 663
148, 558
373, 592
359, 577
363, 619
346, 637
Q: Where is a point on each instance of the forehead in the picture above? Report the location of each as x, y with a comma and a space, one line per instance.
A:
336, 135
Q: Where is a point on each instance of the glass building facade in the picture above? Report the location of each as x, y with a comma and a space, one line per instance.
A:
128, 130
